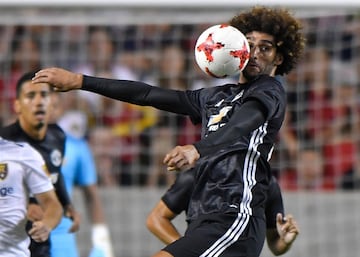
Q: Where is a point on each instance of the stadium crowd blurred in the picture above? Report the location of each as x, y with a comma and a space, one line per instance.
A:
317, 147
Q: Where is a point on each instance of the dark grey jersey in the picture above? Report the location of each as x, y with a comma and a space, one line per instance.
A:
240, 123
234, 174
177, 197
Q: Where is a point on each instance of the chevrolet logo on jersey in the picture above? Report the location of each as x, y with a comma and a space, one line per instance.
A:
3, 170
216, 118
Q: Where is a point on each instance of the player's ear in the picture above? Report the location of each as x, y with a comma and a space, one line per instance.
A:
16, 106
278, 59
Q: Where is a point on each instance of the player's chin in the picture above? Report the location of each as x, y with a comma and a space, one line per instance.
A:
251, 72
40, 124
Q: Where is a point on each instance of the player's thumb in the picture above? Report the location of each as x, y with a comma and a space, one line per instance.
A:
279, 218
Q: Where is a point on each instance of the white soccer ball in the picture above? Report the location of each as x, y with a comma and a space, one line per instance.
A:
222, 51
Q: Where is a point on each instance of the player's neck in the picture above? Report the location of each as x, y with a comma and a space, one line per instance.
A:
36, 132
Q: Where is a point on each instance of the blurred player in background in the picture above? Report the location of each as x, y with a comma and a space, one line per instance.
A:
280, 231
240, 123
33, 108
22, 173
79, 170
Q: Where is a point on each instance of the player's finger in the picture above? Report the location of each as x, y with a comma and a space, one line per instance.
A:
169, 156
172, 158
74, 228
290, 219
172, 168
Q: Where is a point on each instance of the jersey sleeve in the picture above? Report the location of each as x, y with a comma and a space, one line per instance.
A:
140, 93
274, 204
177, 197
270, 93
37, 179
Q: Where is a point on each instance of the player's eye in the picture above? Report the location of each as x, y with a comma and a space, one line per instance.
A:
45, 94
265, 48
262, 48
30, 95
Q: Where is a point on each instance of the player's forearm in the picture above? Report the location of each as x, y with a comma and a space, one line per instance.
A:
162, 228
167, 233
51, 207
52, 215
282, 247
278, 246
138, 93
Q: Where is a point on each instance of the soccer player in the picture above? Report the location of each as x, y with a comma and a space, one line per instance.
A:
79, 170
280, 231
33, 108
23, 172
240, 123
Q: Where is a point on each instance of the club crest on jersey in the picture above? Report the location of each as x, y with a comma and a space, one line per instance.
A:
56, 158
3, 170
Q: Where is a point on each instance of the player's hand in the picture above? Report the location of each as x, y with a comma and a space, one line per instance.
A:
34, 212
181, 157
59, 79
287, 228
75, 217
39, 231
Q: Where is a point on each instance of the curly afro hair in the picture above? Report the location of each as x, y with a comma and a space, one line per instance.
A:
279, 23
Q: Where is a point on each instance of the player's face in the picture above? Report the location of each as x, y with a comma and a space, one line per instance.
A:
33, 105
263, 55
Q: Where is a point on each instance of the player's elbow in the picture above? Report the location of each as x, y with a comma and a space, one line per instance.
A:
150, 222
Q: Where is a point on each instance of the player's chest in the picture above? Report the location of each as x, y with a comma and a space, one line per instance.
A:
219, 111
52, 153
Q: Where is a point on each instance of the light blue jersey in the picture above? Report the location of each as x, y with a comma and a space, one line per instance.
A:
78, 170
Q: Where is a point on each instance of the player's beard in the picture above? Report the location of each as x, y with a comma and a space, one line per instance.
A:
248, 76
40, 125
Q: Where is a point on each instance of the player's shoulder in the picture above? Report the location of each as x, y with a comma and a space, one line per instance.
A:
22, 150
55, 130
212, 94
266, 88
10, 130
269, 81
7, 145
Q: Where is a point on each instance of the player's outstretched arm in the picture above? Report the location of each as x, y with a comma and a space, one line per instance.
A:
281, 239
59, 79
51, 217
